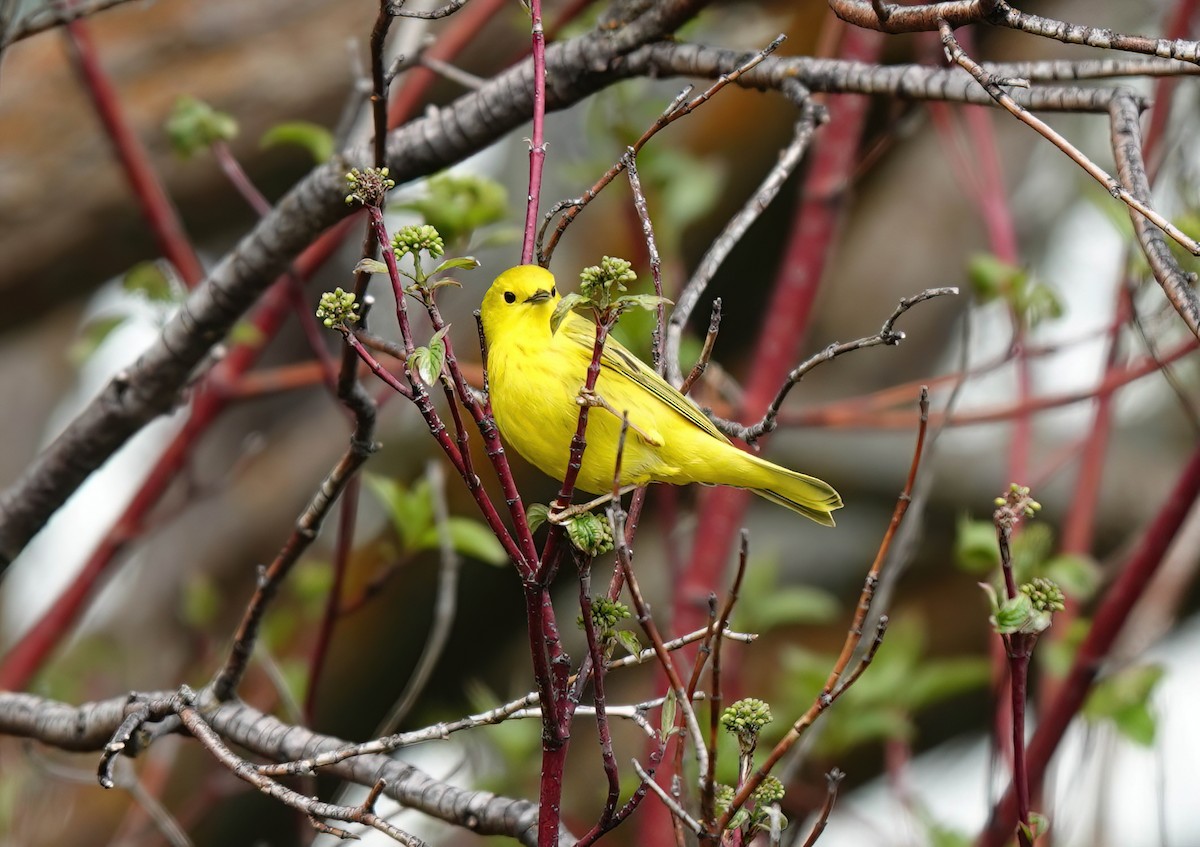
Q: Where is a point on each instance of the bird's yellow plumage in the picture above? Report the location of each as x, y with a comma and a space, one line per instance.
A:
536, 376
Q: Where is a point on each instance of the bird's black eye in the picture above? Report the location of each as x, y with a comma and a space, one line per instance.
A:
553, 291
509, 297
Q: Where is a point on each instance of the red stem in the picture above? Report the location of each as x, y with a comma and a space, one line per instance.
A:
148, 191
30, 653
814, 232
347, 515
1106, 626
537, 146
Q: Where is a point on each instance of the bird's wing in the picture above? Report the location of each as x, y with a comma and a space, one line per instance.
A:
617, 359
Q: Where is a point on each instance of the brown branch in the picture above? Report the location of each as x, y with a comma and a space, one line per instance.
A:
835, 685
992, 85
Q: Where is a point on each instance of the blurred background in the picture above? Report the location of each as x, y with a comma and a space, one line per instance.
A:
83, 297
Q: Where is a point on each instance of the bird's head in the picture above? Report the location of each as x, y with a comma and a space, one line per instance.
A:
526, 293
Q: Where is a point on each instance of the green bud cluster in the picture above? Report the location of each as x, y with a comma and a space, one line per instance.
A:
1045, 594
723, 796
338, 308
600, 283
368, 186
606, 615
414, 239
770, 790
746, 717
1017, 502
591, 534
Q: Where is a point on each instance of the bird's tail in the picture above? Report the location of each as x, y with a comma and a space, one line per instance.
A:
807, 495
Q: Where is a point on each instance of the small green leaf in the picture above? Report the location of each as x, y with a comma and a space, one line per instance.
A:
1077, 575
411, 511
790, 606
975, 548
629, 641
565, 305
469, 537
466, 263
428, 361
1017, 615
314, 138
1038, 826
93, 334
457, 204
245, 332
667, 722
649, 302
1124, 698
371, 266
991, 277
935, 680
193, 125
536, 514
154, 281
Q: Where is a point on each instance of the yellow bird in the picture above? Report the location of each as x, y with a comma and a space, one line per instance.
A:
536, 377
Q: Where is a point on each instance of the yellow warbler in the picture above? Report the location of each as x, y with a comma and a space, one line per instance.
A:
536, 376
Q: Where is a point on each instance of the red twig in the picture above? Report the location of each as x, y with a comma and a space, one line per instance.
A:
814, 232
537, 145
347, 515
148, 191
1107, 623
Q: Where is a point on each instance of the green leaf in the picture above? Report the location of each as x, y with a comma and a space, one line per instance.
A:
938, 680
792, 605
467, 263
1057, 654
565, 305
943, 836
314, 138
1038, 826
536, 515
469, 537
649, 302
193, 125
457, 204
1077, 575
428, 361
991, 278
371, 266
975, 548
92, 335
667, 722
154, 281
629, 641
1124, 698
411, 511
1017, 615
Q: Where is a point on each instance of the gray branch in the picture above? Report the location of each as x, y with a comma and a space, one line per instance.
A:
578, 67
88, 728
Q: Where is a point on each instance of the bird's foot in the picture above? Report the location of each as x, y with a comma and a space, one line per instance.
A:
565, 516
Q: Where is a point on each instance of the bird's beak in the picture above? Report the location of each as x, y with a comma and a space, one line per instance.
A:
539, 296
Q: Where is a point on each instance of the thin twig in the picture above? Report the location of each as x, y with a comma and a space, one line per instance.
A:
677, 811
444, 606
887, 335
811, 115
993, 87
680, 107
710, 340
832, 690
833, 781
